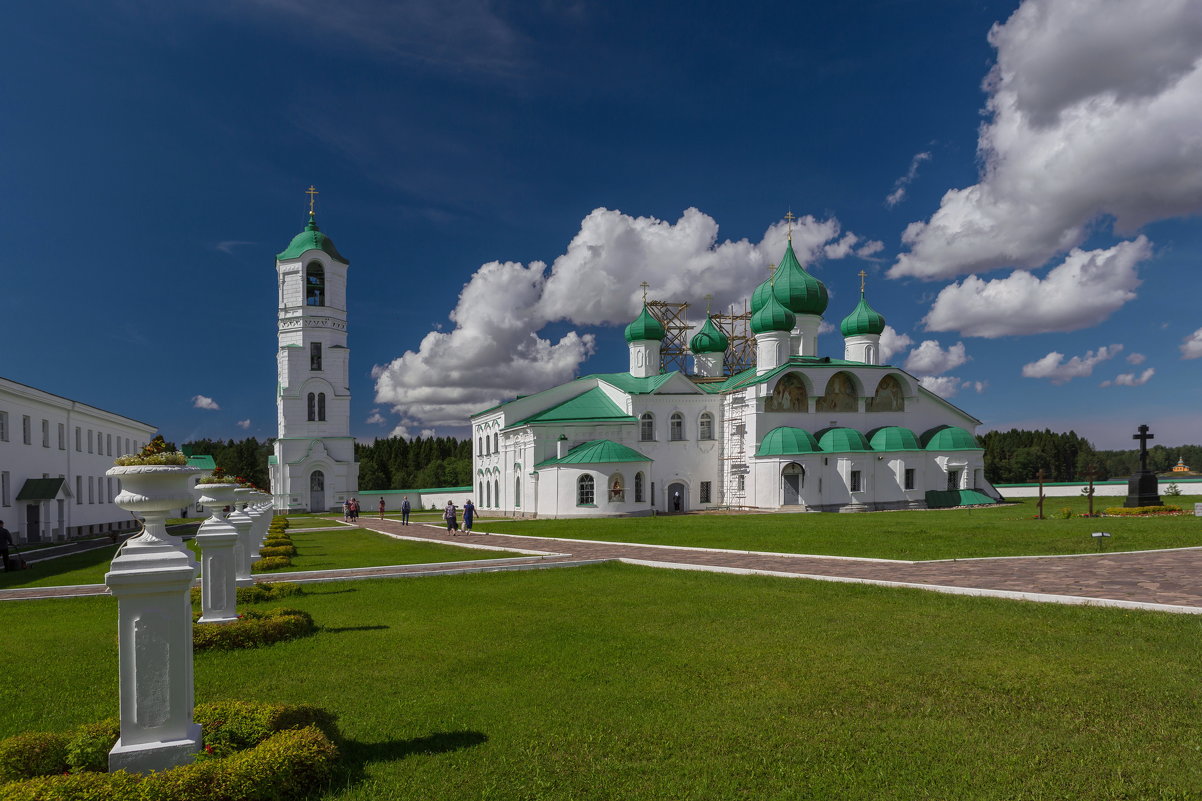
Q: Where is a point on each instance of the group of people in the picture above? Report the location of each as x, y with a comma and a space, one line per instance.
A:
451, 515
350, 509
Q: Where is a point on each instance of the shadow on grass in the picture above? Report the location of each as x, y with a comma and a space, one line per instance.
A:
358, 755
330, 592
340, 629
57, 566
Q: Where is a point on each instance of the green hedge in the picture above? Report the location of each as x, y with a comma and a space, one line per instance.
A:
1126, 511
277, 550
271, 563
274, 542
258, 593
252, 629
252, 752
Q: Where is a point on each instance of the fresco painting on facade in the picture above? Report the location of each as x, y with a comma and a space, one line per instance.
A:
749, 440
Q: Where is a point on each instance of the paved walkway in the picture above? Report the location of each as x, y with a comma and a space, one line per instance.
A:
1168, 580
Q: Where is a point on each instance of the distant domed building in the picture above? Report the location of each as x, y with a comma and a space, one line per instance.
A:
1181, 466
796, 432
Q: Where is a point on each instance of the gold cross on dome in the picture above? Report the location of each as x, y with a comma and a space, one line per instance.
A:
709, 299
862, 274
644, 285
789, 217
312, 193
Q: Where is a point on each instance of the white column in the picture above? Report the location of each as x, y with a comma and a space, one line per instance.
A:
244, 552
217, 538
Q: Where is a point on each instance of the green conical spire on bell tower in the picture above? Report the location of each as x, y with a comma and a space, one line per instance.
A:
863, 318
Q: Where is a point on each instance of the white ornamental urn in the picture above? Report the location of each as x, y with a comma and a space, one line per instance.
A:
150, 577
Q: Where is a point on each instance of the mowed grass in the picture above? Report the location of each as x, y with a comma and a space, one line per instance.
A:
620, 682
328, 549
910, 535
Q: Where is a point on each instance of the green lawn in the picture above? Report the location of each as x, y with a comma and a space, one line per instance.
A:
318, 550
913, 535
619, 682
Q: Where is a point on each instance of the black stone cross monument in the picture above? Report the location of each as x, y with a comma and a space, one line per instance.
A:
1143, 489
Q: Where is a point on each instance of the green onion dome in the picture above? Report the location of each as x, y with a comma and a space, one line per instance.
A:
863, 320
772, 317
645, 326
760, 296
799, 291
709, 339
310, 239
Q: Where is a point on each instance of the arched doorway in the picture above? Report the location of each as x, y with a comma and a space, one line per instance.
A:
678, 499
791, 478
317, 491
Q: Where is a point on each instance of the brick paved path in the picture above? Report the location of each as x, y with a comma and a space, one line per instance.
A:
1168, 579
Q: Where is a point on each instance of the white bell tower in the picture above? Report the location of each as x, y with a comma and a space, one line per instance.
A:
313, 468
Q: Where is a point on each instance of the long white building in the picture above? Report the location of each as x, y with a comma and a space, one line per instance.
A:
798, 431
54, 453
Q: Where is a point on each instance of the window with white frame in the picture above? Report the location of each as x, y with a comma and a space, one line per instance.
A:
108, 444
647, 427
78, 490
62, 436
741, 483
90, 450
78, 439
91, 489
856, 481
3, 426
909, 478
705, 426
45, 433
496, 442
586, 491
25, 431
706, 492
676, 427
4, 479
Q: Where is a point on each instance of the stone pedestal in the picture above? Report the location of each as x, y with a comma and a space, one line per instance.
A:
1143, 489
217, 540
245, 552
258, 523
150, 577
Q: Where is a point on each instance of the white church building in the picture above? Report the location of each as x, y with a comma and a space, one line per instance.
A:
313, 467
797, 432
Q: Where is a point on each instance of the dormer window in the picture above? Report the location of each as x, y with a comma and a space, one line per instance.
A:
315, 284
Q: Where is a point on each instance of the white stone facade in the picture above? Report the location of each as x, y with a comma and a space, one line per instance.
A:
45, 436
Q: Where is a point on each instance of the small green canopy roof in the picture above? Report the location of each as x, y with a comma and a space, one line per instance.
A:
202, 461
591, 406
709, 339
40, 489
841, 440
799, 291
788, 441
310, 239
863, 320
772, 317
597, 451
893, 438
645, 326
949, 438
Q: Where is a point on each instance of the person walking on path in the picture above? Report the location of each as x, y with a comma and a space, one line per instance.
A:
405, 512
381, 507
6, 541
354, 510
469, 514
346, 510
449, 515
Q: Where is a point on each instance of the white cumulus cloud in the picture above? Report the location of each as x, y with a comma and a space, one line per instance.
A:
1130, 379
1054, 367
202, 402
931, 359
899, 186
1093, 116
244, 424
892, 343
1082, 291
1191, 347
1136, 358
945, 386
375, 418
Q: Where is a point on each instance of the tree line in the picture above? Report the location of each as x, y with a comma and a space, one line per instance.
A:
1016, 457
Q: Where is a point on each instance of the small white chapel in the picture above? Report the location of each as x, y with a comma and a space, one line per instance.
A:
797, 431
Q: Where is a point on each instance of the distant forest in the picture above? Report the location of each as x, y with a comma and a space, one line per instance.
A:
1015, 457
385, 464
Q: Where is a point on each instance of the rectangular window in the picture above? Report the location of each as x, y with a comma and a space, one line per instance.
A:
108, 444
705, 492
3, 426
90, 441
741, 483
45, 433
856, 481
4, 479
909, 478
91, 489
314, 355
62, 436
25, 431
78, 439
647, 428
78, 489
953, 479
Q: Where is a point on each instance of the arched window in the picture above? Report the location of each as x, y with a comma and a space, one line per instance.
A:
585, 491
638, 487
479, 446
617, 489
487, 492
312, 407
676, 426
314, 356
517, 492
647, 427
496, 491
315, 284
705, 426
496, 442
321, 406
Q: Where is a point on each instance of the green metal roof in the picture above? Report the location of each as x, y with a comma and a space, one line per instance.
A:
950, 438
842, 440
760, 296
799, 291
202, 461
709, 339
414, 491
310, 239
893, 438
943, 499
591, 406
40, 489
635, 386
645, 326
272, 460
597, 451
863, 320
788, 441
772, 317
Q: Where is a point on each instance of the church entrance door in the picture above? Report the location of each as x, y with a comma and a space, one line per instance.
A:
676, 498
791, 484
33, 522
317, 491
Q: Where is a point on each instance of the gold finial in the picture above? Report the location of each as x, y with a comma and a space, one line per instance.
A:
312, 193
790, 218
644, 285
709, 299
862, 274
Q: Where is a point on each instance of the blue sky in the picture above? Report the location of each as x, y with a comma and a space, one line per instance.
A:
1020, 181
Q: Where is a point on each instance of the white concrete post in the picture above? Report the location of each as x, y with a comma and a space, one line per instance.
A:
217, 538
245, 551
150, 577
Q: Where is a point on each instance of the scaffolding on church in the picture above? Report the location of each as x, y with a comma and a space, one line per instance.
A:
675, 347
740, 353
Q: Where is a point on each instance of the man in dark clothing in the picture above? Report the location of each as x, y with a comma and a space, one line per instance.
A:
6, 540
405, 512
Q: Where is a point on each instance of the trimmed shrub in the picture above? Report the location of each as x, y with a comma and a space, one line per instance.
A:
1127, 511
271, 563
277, 550
252, 629
258, 593
274, 542
34, 753
76, 787
88, 749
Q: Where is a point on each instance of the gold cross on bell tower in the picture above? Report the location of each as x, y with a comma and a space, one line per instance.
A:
789, 218
312, 193
862, 274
